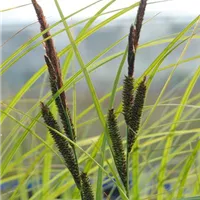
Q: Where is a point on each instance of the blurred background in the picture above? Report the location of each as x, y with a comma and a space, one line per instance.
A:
162, 19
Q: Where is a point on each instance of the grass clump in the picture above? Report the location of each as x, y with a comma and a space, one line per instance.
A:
131, 165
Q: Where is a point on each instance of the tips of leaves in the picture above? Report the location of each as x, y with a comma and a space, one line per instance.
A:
136, 114
62, 144
87, 193
118, 150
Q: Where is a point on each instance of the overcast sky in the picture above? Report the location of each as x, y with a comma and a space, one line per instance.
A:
170, 8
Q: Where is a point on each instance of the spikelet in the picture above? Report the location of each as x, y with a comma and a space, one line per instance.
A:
127, 98
87, 193
136, 114
139, 20
62, 144
132, 108
49, 47
131, 51
134, 35
64, 112
118, 150
53, 64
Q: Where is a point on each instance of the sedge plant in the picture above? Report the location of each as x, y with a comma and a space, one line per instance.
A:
87, 170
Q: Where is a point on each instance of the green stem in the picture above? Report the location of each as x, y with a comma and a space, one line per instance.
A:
127, 163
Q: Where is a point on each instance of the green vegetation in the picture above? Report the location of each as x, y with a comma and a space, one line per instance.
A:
138, 152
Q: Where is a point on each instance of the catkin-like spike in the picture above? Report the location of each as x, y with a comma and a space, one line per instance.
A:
53, 64
131, 51
139, 20
127, 98
62, 144
136, 114
134, 36
118, 150
64, 112
50, 48
87, 193
51, 70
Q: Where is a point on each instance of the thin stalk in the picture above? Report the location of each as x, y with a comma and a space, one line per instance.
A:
127, 162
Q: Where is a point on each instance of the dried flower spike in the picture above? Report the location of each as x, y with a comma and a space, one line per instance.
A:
134, 36
49, 47
118, 150
55, 77
139, 20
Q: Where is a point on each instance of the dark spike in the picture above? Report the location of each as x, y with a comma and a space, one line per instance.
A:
64, 113
139, 20
118, 150
55, 77
131, 51
62, 144
136, 114
134, 36
127, 98
50, 47
87, 193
